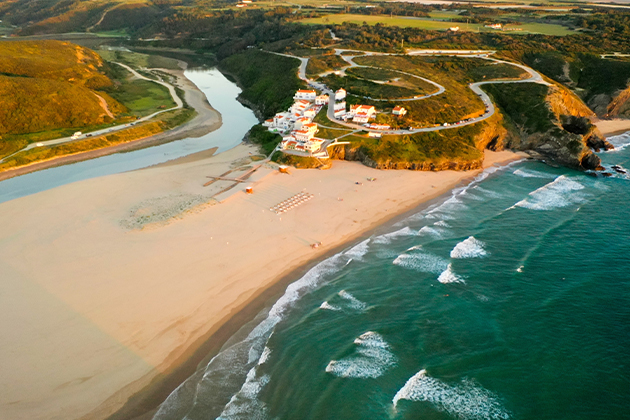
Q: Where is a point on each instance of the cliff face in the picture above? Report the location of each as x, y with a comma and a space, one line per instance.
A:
572, 139
620, 105
357, 153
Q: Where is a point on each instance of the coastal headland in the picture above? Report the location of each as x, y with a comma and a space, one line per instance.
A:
124, 276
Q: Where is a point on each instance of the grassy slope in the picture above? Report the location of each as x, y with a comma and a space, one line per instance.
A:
48, 90
456, 103
268, 80
53, 60
524, 104
47, 86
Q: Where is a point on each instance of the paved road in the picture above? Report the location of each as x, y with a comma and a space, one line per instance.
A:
535, 77
178, 101
440, 88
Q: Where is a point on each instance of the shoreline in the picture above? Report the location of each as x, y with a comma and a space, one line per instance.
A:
612, 127
150, 303
205, 121
144, 404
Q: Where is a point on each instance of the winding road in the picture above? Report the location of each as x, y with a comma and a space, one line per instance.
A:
535, 77
178, 101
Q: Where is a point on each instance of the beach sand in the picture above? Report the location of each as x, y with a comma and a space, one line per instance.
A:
613, 127
112, 282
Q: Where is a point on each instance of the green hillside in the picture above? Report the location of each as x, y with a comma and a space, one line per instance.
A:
46, 86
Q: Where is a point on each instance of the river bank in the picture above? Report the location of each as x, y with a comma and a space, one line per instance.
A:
206, 120
126, 276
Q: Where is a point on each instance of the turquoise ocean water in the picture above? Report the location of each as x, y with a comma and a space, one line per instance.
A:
508, 300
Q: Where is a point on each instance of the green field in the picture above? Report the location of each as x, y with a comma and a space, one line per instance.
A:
429, 24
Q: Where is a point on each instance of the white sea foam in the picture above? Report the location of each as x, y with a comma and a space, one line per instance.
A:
422, 261
431, 231
530, 173
465, 401
359, 250
353, 302
264, 356
388, 237
442, 223
469, 248
619, 142
328, 306
449, 276
489, 193
372, 359
561, 192
245, 404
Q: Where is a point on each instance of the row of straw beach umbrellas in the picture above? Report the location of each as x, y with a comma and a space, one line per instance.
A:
292, 202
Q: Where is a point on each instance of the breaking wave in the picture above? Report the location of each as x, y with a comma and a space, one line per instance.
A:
530, 173
359, 250
422, 261
465, 401
449, 276
326, 305
388, 237
619, 142
372, 359
469, 248
561, 192
352, 302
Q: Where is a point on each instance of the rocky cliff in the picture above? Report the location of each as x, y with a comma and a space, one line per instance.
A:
569, 141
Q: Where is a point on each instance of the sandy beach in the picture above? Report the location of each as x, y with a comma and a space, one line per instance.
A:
112, 282
613, 127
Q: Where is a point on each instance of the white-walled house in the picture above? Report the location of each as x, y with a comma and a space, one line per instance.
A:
340, 105
340, 113
361, 113
322, 100
305, 94
340, 94
399, 111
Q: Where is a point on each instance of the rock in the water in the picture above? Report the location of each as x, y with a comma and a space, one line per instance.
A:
591, 161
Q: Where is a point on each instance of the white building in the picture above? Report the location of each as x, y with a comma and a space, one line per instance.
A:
399, 111
308, 95
340, 105
362, 113
322, 100
340, 94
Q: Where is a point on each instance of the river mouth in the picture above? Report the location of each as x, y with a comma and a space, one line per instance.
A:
221, 94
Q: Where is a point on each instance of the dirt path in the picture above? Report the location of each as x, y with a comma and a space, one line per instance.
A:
102, 17
104, 105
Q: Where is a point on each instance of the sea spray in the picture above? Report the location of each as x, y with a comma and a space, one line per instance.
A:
466, 401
